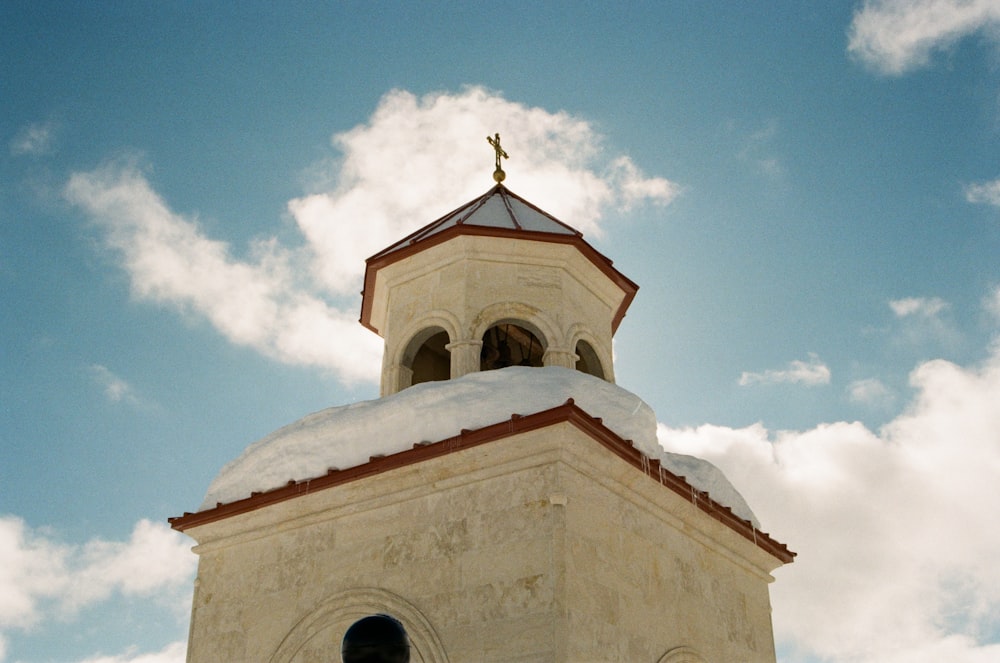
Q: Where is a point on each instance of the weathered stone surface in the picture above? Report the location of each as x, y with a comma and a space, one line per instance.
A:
541, 547
470, 283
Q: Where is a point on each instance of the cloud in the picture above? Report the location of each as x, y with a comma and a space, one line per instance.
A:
116, 389
379, 191
987, 193
870, 391
897, 36
31, 567
279, 301
175, 652
254, 303
42, 577
927, 307
810, 373
35, 140
921, 321
895, 529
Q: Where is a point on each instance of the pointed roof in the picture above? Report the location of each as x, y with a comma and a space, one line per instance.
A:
499, 209
498, 213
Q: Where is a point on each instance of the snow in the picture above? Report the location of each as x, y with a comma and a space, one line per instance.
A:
347, 436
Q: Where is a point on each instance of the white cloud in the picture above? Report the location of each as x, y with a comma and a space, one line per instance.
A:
257, 303
870, 391
175, 652
896, 36
36, 139
810, 373
927, 307
633, 187
895, 530
116, 389
419, 157
921, 321
41, 577
155, 557
984, 192
416, 159
31, 567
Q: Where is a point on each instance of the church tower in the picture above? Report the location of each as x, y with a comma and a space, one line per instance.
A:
496, 283
503, 500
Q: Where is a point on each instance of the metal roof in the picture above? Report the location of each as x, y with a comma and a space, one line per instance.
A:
498, 209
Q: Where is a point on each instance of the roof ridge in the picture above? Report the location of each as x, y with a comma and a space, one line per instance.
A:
510, 210
539, 210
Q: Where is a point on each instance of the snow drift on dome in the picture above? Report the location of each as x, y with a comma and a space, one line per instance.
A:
347, 436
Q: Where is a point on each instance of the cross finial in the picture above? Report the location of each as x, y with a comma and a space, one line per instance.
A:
498, 174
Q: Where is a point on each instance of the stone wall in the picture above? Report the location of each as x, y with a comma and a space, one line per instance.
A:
542, 546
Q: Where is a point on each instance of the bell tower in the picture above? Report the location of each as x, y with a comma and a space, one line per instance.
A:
504, 500
497, 282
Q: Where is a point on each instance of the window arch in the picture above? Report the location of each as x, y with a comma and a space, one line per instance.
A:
319, 633
588, 361
510, 344
681, 655
427, 356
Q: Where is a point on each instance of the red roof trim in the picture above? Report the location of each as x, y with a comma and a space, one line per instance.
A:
428, 236
628, 287
462, 213
568, 412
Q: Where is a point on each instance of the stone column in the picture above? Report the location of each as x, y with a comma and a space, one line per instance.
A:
464, 357
395, 379
559, 357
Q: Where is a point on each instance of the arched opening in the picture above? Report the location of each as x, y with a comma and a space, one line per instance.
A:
681, 655
588, 362
431, 359
320, 633
508, 344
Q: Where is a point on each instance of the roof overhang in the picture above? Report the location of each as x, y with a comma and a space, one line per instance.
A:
569, 413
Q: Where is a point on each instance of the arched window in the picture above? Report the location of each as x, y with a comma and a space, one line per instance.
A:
318, 635
588, 362
510, 344
681, 655
427, 356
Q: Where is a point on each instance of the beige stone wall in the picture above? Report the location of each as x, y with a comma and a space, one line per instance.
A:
638, 588
541, 547
470, 283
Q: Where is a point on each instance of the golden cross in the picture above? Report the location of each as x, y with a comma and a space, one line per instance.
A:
498, 174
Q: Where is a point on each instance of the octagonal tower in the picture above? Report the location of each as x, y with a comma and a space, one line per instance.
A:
495, 283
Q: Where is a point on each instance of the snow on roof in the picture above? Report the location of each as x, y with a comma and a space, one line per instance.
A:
349, 435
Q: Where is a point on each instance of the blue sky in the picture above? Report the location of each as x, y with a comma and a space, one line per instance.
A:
806, 193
